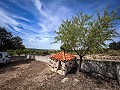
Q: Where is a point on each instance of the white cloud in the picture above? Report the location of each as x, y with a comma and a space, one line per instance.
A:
118, 30
6, 19
52, 19
4, 5
17, 29
38, 5
49, 24
45, 13
38, 41
22, 18
44, 28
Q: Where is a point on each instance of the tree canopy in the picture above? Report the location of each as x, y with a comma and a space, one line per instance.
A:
85, 34
8, 41
114, 46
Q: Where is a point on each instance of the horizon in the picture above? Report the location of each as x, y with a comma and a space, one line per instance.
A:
36, 20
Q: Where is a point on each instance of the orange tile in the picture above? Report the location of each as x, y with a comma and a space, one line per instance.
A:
62, 56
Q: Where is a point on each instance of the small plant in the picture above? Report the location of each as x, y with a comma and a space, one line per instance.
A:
114, 53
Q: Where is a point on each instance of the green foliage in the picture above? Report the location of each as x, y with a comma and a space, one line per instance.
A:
31, 51
5, 39
114, 46
18, 52
8, 42
25, 51
17, 43
84, 34
11, 52
114, 52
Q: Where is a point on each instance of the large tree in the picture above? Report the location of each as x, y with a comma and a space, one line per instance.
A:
114, 46
17, 43
87, 34
7, 41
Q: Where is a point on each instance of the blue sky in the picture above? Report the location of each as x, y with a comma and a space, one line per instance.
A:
36, 20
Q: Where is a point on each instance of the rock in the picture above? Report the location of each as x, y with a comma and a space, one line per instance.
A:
65, 80
118, 73
76, 80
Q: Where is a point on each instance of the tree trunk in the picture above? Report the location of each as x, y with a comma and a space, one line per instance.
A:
18, 54
80, 63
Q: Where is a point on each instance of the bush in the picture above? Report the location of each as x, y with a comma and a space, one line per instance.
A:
11, 53
114, 52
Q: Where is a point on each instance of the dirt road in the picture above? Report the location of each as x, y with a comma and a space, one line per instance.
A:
35, 75
22, 75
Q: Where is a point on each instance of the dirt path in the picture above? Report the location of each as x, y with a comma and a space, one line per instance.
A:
35, 75
22, 75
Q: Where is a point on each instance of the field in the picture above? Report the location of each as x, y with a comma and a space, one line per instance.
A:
35, 75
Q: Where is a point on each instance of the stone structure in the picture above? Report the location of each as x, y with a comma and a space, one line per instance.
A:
106, 69
62, 63
102, 57
30, 56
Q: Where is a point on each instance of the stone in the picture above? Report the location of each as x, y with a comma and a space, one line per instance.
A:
76, 80
104, 68
65, 80
118, 73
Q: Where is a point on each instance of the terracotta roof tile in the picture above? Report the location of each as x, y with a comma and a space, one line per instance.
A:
62, 56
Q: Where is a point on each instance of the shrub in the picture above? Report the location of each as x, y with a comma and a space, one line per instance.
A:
114, 52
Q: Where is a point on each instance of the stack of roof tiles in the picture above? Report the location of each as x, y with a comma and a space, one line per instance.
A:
62, 56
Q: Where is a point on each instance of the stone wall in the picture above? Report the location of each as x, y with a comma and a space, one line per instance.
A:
69, 65
108, 69
101, 57
65, 68
118, 73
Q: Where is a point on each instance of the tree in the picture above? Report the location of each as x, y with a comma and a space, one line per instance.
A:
114, 46
17, 43
118, 45
65, 48
83, 34
7, 41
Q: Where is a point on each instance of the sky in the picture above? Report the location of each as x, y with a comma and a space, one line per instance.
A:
36, 20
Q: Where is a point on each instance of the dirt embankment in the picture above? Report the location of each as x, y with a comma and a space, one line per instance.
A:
35, 75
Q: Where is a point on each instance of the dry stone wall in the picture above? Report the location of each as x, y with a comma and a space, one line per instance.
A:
118, 72
102, 57
66, 67
106, 69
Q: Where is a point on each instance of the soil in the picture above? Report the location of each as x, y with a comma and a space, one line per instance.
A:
35, 75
